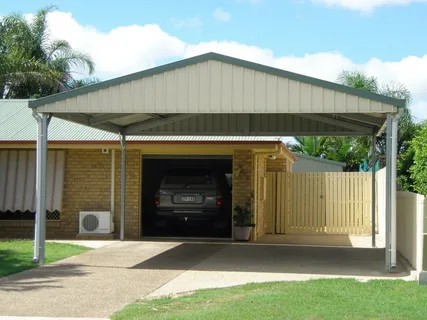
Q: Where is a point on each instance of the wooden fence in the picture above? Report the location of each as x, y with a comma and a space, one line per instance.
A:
319, 203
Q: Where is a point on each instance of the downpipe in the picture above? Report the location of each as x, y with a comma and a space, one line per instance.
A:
393, 231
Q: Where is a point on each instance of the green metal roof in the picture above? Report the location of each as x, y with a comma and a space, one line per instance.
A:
304, 156
224, 59
18, 124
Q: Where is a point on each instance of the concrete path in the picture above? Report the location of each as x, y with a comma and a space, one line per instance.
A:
99, 282
242, 264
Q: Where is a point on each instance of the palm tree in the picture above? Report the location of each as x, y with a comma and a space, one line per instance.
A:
78, 83
359, 80
407, 127
311, 146
346, 150
32, 64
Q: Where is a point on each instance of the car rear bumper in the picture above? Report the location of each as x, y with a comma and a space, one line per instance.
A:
196, 214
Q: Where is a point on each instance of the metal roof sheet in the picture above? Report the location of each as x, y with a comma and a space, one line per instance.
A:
211, 56
299, 155
18, 124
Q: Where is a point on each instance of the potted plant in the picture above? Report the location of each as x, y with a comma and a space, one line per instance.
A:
243, 221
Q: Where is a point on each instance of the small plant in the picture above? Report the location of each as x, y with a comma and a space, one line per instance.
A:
243, 214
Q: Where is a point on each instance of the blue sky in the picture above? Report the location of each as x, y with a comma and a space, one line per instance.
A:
314, 37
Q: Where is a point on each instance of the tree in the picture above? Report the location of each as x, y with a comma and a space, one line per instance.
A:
32, 65
79, 83
311, 146
346, 150
418, 170
359, 80
407, 127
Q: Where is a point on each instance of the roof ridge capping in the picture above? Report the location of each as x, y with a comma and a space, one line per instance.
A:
225, 59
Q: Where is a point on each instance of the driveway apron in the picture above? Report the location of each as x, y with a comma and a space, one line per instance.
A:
99, 282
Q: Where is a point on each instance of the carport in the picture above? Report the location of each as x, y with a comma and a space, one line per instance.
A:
213, 94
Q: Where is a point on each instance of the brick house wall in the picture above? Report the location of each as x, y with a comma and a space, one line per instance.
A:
87, 187
133, 194
278, 165
261, 172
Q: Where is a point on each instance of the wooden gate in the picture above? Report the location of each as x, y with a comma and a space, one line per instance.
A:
319, 203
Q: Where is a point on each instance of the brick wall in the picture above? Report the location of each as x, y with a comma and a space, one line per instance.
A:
277, 165
133, 194
242, 176
25, 229
261, 166
87, 187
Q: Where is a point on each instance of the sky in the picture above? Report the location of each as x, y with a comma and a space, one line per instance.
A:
319, 38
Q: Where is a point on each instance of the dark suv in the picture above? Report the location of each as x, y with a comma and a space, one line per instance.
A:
191, 194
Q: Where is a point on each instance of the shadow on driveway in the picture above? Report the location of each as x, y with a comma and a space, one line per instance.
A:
273, 259
40, 278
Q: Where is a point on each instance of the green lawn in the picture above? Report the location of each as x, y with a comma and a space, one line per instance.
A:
17, 255
314, 300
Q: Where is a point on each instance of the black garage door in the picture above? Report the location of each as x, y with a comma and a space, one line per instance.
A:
179, 223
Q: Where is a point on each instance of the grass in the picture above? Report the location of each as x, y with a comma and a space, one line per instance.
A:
314, 300
17, 255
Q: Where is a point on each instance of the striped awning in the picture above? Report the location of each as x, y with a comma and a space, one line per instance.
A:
18, 180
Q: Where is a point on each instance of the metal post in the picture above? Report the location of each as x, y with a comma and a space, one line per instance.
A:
122, 187
374, 208
113, 176
40, 220
388, 194
393, 218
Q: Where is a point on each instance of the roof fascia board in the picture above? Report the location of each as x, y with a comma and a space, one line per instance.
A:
225, 59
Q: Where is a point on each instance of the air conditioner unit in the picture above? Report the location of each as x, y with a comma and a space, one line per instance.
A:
100, 222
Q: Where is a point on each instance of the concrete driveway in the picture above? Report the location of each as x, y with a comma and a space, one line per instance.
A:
99, 282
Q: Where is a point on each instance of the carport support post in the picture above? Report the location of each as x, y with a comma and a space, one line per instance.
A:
40, 219
374, 160
388, 195
122, 187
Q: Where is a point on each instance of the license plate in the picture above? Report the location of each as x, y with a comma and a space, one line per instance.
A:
188, 199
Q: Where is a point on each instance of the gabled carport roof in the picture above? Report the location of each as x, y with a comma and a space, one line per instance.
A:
213, 94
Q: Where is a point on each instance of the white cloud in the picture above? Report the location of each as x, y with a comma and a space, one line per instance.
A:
128, 49
122, 50
193, 22
221, 15
365, 6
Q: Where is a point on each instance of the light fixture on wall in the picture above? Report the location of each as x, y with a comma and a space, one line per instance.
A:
272, 157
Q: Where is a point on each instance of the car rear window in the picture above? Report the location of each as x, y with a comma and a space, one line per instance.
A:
189, 176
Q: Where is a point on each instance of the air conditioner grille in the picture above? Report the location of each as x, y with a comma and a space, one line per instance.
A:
90, 222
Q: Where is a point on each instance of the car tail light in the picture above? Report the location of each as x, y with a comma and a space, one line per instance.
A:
157, 198
218, 199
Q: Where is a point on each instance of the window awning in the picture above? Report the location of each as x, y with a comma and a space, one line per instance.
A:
18, 180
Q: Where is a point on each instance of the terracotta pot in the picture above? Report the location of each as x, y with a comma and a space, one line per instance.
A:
242, 233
